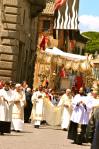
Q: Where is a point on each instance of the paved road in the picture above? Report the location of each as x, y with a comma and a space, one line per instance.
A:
46, 137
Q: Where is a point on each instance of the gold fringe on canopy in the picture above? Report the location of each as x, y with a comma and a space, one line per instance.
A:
85, 67
68, 64
75, 66
48, 59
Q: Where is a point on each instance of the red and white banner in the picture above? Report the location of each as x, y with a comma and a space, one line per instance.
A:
43, 42
66, 14
58, 3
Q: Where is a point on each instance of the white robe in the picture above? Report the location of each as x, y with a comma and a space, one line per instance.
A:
65, 100
95, 102
80, 114
18, 111
37, 111
6, 104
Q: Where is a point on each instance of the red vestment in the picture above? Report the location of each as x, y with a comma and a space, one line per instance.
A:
62, 73
79, 82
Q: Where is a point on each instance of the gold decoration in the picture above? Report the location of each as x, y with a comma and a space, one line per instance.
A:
75, 66
68, 64
54, 59
39, 55
85, 67
59, 61
48, 59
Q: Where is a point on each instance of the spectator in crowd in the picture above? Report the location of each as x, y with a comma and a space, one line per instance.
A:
92, 132
28, 106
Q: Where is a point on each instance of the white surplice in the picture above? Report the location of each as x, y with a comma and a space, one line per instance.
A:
80, 113
6, 104
18, 111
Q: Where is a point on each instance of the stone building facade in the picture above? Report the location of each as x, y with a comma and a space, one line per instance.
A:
46, 25
18, 38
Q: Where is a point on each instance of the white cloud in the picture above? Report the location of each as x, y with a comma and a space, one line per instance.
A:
88, 23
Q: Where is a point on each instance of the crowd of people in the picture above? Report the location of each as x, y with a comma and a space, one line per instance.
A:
78, 114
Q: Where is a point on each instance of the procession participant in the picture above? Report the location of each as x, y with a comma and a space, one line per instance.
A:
45, 83
1, 84
90, 93
92, 132
24, 85
82, 106
55, 100
95, 98
18, 109
46, 90
79, 82
49, 93
12, 86
6, 104
28, 106
66, 101
37, 111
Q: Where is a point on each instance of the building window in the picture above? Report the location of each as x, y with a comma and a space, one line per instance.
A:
46, 25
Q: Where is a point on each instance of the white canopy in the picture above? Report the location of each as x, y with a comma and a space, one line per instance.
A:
69, 56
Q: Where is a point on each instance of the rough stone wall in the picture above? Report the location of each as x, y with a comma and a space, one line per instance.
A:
9, 35
16, 42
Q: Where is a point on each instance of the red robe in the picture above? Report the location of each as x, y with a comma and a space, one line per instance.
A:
62, 73
79, 82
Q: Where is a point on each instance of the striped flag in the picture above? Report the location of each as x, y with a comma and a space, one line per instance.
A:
66, 14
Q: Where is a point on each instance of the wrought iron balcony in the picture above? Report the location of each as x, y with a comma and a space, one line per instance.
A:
37, 6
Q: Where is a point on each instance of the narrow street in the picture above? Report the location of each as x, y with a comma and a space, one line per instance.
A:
46, 137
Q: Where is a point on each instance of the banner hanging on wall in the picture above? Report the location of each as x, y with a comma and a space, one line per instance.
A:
66, 14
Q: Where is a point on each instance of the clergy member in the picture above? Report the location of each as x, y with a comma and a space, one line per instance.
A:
66, 101
6, 104
80, 116
38, 108
18, 109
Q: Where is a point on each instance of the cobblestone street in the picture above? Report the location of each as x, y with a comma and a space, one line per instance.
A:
46, 137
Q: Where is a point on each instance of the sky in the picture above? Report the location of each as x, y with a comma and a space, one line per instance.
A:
89, 15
